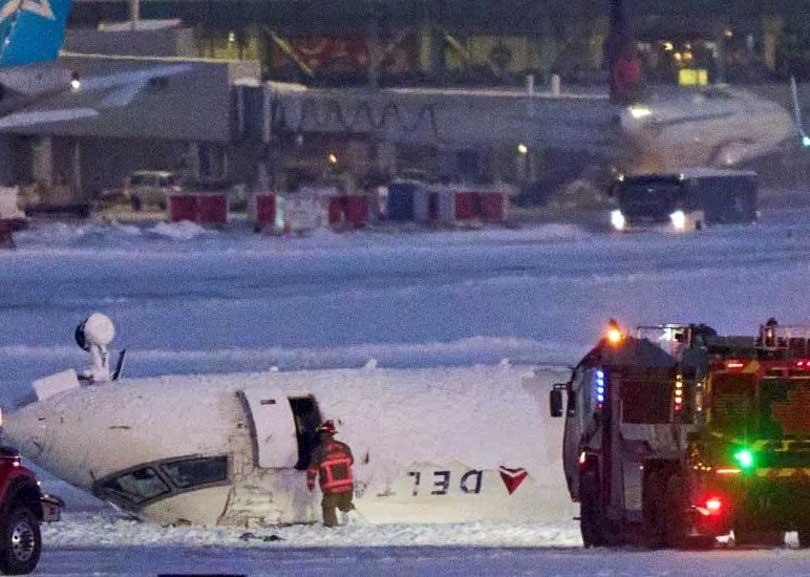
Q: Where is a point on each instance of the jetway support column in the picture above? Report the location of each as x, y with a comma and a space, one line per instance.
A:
431, 42
7, 160
43, 161
76, 169
374, 47
772, 27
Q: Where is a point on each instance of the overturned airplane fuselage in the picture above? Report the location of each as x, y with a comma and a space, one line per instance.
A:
432, 445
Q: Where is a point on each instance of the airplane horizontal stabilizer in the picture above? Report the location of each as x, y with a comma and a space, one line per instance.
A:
22, 119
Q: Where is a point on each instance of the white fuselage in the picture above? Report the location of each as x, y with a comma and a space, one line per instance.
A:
721, 127
432, 445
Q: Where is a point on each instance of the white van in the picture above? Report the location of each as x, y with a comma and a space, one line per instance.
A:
150, 188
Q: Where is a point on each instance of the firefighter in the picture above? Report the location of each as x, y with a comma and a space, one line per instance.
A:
332, 461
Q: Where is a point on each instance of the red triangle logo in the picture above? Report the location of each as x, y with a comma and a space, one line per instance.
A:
512, 478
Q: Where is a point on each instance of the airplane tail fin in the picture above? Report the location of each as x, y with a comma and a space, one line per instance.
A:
31, 31
797, 113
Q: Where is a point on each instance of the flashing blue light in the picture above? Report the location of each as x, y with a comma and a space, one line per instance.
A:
600, 387
806, 141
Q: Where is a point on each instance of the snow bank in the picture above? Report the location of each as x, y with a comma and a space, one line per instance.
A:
183, 230
112, 530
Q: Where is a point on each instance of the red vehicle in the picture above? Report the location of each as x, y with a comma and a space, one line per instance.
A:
750, 458
23, 508
678, 435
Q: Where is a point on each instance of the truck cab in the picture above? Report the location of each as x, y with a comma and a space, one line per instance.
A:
625, 420
23, 508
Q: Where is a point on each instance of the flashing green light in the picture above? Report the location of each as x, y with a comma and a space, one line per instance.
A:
806, 141
745, 458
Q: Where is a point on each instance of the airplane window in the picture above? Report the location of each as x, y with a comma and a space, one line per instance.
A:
137, 486
192, 472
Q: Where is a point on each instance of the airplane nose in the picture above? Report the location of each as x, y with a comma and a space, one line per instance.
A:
42, 434
26, 430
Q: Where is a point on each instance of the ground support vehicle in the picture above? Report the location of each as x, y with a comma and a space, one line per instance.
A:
23, 508
675, 439
684, 201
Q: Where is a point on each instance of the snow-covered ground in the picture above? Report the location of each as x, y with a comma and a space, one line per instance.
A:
186, 300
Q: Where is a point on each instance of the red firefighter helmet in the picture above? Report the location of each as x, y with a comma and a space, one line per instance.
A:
327, 427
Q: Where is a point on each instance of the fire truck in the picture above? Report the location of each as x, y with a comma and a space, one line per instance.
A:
676, 435
23, 507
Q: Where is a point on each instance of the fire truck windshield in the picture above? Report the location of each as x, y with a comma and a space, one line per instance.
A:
777, 410
732, 401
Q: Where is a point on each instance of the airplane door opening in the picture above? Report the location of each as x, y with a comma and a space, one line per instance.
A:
307, 418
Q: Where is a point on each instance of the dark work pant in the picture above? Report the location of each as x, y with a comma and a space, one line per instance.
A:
331, 501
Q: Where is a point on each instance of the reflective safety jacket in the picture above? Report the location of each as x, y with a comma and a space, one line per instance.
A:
333, 461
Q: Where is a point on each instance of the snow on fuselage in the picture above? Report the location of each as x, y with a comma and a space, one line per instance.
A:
430, 445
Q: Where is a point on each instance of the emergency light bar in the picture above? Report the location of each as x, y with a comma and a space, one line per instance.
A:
774, 335
599, 385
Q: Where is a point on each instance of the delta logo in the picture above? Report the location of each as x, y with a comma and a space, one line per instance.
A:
512, 478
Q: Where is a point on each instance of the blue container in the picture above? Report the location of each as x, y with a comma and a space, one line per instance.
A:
400, 201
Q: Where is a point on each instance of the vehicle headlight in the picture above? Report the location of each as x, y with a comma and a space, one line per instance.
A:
617, 219
678, 219
639, 112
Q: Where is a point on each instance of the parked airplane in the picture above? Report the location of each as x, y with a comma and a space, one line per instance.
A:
31, 35
718, 126
430, 445
31, 31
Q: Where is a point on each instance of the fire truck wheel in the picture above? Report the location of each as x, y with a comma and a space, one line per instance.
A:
591, 519
675, 517
804, 538
745, 536
654, 529
22, 542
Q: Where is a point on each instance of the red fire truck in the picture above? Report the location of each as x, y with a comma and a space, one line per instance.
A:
677, 435
23, 508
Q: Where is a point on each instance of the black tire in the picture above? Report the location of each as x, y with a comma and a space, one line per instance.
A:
136, 203
676, 521
804, 538
591, 518
748, 537
654, 522
22, 542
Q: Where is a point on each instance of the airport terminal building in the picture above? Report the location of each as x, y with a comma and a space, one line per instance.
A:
476, 41
225, 117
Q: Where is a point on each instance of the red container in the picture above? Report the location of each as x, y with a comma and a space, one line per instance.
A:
357, 210
493, 206
182, 207
266, 209
212, 209
337, 210
467, 205
199, 208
